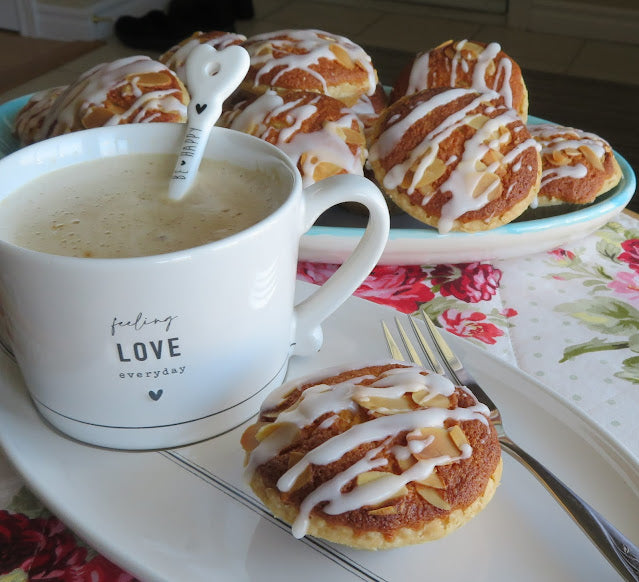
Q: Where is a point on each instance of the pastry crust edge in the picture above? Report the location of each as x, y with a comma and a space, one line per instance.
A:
374, 540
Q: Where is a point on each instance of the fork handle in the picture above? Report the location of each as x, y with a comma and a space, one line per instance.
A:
619, 550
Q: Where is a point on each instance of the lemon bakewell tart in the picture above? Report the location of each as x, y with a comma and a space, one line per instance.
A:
577, 166
134, 89
375, 457
456, 159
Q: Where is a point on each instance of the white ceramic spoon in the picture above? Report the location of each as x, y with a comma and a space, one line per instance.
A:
211, 76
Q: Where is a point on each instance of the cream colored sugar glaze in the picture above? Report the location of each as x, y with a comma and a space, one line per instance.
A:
92, 89
464, 177
420, 70
320, 399
314, 45
325, 145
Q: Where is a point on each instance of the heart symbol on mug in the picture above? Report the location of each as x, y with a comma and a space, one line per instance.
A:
156, 395
199, 108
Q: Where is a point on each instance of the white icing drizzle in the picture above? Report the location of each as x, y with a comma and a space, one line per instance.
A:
418, 78
314, 44
578, 172
32, 115
324, 145
92, 87
464, 176
320, 399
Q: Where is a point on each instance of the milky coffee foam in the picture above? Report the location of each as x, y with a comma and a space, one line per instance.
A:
119, 207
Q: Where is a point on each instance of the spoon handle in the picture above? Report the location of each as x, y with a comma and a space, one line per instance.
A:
211, 77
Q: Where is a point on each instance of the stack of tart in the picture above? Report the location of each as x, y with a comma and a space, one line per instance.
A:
449, 144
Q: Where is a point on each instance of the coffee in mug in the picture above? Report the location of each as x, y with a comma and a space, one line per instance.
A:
118, 206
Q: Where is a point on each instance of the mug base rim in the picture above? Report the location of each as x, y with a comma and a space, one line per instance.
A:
159, 437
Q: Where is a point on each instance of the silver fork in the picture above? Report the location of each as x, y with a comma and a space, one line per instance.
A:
620, 552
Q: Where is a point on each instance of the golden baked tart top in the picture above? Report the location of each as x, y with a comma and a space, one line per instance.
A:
129, 90
577, 166
318, 133
456, 159
468, 64
310, 60
380, 456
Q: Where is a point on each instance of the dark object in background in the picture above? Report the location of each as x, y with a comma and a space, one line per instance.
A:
159, 31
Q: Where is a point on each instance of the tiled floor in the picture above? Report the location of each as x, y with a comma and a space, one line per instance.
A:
384, 24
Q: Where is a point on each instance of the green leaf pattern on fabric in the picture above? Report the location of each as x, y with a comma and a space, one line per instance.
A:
603, 312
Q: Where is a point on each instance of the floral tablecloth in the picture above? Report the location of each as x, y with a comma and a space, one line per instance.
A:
569, 317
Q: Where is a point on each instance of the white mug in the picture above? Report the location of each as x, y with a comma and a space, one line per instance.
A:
165, 350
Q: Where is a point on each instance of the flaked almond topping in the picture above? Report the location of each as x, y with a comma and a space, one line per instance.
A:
370, 476
388, 510
477, 121
96, 117
248, 439
450, 51
433, 172
383, 405
433, 480
304, 478
326, 170
350, 135
157, 80
433, 497
269, 428
342, 56
558, 158
270, 414
489, 185
458, 436
432, 442
425, 398
492, 156
405, 462
504, 135
473, 48
592, 157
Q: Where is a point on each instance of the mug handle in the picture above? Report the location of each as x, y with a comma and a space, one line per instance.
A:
319, 197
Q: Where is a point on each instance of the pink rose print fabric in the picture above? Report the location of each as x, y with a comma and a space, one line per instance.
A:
445, 291
403, 288
630, 253
46, 550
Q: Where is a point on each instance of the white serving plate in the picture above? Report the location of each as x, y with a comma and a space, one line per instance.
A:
335, 236
185, 514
